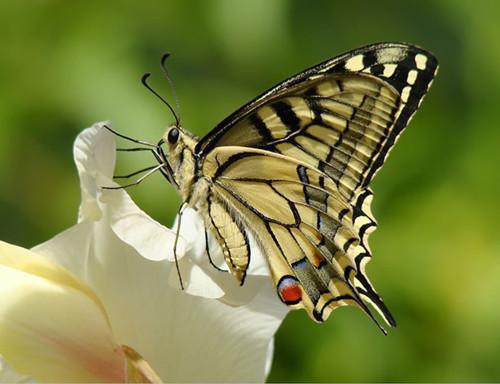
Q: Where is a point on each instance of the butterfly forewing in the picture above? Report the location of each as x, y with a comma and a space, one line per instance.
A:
342, 116
336, 125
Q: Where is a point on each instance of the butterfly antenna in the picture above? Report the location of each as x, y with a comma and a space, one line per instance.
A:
163, 63
144, 81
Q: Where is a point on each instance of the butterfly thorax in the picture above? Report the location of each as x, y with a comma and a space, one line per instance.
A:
182, 160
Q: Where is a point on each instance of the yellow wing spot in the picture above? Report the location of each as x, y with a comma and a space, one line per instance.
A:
367, 206
356, 164
309, 232
308, 249
333, 288
406, 93
389, 70
421, 61
412, 76
355, 63
346, 184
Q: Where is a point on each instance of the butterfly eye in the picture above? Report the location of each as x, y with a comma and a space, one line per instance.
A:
173, 135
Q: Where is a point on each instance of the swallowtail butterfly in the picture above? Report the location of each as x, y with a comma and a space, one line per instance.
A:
293, 167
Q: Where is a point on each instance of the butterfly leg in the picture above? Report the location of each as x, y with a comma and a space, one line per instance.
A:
139, 180
177, 232
207, 248
135, 173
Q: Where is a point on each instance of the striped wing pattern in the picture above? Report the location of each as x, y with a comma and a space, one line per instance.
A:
294, 166
337, 125
342, 116
306, 227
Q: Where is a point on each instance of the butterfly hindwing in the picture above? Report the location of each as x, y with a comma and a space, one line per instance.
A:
230, 235
303, 223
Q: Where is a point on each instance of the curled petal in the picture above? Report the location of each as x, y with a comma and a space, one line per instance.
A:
51, 324
94, 153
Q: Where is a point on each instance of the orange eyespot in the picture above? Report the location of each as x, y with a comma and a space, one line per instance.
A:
289, 290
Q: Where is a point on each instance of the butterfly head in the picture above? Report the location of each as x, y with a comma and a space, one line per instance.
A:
176, 152
177, 140
173, 134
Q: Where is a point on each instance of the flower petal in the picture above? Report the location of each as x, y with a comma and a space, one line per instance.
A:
10, 375
174, 331
94, 167
52, 325
94, 153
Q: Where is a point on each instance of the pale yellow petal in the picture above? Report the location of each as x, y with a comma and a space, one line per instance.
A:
52, 326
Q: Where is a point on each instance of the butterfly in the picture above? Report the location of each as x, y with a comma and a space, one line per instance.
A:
293, 167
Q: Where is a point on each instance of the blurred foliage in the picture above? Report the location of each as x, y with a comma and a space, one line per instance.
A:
67, 64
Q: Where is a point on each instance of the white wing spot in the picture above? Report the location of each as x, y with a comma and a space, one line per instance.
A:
412, 76
420, 61
406, 93
389, 69
355, 63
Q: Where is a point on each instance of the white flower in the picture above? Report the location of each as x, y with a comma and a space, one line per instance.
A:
184, 337
54, 328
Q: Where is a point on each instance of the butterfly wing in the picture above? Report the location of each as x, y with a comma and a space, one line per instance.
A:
299, 177
307, 228
342, 116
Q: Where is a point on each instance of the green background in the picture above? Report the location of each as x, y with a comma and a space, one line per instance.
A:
67, 64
